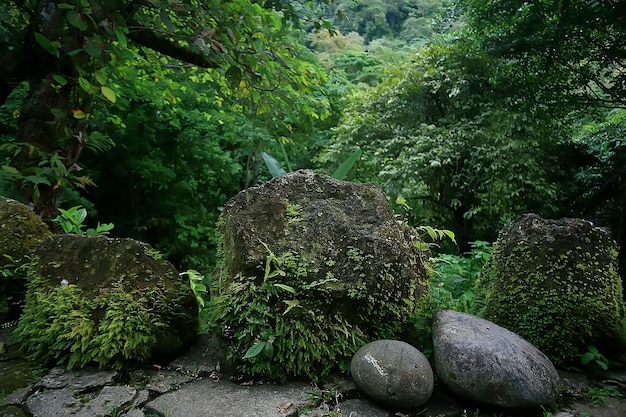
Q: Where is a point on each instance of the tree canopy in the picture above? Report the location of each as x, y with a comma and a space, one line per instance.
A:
69, 53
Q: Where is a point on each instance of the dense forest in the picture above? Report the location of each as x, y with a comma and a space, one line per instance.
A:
151, 114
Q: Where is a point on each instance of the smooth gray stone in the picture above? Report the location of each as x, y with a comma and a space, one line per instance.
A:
82, 379
393, 373
360, 408
481, 361
206, 398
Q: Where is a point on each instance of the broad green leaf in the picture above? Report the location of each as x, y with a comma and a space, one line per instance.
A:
290, 304
586, 358
234, 76
101, 77
66, 6
36, 179
93, 49
121, 38
346, 166
109, 94
47, 44
272, 165
268, 349
76, 20
255, 350
165, 18
61, 80
86, 86
78, 114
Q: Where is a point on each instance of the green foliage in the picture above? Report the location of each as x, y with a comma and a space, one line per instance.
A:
454, 278
12, 288
593, 357
409, 20
554, 54
281, 325
437, 134
199, 286
71, 221
340, 173
599, 394
61, 325
251, 47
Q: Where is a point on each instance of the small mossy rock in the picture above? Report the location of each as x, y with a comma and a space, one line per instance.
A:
393, 373
481, 361
312, 268
105, 301
21, 232
555, 283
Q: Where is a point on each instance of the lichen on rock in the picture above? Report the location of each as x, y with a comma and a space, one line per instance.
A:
312, 268
555, 283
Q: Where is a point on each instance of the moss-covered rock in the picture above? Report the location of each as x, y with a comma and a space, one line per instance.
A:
312, 269
21, 232
555, 283
105, 301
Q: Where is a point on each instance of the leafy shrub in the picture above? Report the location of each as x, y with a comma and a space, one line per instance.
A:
454, 278
284, 329
71, 221
60, 325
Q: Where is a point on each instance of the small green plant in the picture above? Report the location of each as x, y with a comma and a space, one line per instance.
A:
199, 287
276, 170
62, 325
595, 358
332, 396
598, 395
71, 221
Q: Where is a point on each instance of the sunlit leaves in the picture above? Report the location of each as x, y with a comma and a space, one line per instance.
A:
109, 94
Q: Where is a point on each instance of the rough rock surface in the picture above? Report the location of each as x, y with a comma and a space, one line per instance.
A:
555, 283
338, 245
21, 232
393, 373
107, 281
481, 361
340, 394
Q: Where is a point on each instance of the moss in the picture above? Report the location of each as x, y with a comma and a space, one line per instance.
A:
21, 232
560, 292
83, 308
309, 335
62, 325
310, 268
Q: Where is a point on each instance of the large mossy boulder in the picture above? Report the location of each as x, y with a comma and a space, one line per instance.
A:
555, 283
312, 268
111, 302
21, 232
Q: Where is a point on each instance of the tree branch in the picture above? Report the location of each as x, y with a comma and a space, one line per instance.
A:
150, 39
